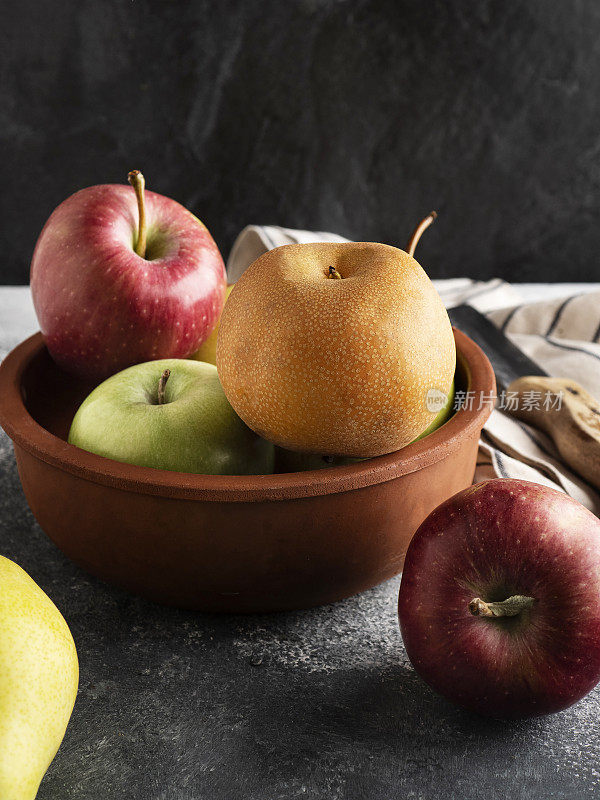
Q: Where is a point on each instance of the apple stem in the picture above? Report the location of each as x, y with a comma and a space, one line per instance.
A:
161, 386
333, 273
136, 179
506, 608
418, 232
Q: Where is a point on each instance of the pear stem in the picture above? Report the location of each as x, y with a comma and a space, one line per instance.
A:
161, 386
418, 232
333, 273
510, 607
136, 179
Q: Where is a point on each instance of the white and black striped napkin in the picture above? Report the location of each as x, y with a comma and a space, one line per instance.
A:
561, 335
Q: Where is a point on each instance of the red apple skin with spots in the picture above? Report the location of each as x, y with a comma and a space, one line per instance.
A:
100, 306
498, 539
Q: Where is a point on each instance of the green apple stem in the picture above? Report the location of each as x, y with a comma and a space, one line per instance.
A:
418, 232
161, 386
136, 179
333, 273
510, 607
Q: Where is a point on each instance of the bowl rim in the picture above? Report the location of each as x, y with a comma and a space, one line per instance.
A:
29, 435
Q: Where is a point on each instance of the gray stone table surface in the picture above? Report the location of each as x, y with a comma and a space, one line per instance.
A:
316, 704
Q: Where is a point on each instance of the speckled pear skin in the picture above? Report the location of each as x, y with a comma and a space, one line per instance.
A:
39, 674
339, 367
293, 461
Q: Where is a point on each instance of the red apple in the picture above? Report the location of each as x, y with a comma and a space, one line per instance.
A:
500, 599
120, 276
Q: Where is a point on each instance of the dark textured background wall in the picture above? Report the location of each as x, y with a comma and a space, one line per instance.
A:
356, 116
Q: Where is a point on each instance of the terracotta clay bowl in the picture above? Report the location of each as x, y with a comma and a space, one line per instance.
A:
230, 543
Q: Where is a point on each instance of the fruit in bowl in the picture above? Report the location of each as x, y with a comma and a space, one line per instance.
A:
39, 674
499, 603
334, 348
170, 414
121, 275
284, 541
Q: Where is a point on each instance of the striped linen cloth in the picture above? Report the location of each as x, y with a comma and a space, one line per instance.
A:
561, 335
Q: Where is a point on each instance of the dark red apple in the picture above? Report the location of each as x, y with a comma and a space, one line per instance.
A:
500, 599
121, 276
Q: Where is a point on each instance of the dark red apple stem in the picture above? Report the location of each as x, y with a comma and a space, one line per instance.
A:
333, 273
161, 386
506, 608
136, 179
418, 232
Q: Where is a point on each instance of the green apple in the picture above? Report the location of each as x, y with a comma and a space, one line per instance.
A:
39, 674
169, 414
208, 349
289, 461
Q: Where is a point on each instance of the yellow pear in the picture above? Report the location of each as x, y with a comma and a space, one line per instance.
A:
39, 674
208, 349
